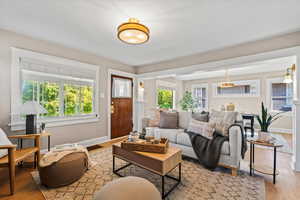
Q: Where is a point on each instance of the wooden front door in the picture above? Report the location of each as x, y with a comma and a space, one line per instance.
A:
121, 106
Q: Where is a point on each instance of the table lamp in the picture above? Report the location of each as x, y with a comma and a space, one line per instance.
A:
31, 109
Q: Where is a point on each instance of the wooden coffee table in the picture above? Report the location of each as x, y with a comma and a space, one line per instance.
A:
160, 164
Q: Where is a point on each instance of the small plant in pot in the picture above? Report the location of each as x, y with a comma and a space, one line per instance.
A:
265, 120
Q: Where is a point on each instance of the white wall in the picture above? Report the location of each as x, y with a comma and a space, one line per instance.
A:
242, 104
150, 93
245, 104
65, 134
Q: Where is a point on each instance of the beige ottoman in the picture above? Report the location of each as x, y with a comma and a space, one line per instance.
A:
64, 172
129, 188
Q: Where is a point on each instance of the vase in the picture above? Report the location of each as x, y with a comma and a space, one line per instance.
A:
264, 136
230, 107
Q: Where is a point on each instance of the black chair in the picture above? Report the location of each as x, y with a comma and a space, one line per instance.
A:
249, 126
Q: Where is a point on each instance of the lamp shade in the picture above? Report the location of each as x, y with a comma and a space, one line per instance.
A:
32, 108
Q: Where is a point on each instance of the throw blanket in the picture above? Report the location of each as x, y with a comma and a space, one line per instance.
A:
208, 151
57, 154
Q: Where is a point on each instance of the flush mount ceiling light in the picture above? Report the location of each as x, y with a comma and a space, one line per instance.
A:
132, 32
227, 83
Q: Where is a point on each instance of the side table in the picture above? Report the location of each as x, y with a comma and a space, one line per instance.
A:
259, 168
46, 134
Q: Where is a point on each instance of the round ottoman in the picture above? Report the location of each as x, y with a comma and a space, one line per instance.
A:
64, 172
128, 188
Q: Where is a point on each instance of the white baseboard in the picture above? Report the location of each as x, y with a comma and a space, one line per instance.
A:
87, 143
281, 130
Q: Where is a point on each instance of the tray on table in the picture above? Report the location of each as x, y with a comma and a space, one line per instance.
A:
142, 145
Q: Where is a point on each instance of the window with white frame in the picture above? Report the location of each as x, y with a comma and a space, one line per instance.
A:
165, 94
280, 95
242, 88
66, 90
200, 95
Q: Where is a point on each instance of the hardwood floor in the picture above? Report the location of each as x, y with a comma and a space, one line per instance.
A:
286, 188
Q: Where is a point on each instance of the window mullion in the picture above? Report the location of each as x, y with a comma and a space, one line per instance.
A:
61, 99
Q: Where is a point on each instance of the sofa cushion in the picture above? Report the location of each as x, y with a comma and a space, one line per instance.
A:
171, 134
168, 120
201, 116
202, 128
184, 139
222, 121
3, 141
184, 119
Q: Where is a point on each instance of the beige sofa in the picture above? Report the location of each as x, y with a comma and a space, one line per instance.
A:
230, 152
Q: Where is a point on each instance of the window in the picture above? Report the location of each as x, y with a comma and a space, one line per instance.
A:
200, 96
281, 95
165, 98
66, 89
165, 94
122, 88
46, 93
242, 88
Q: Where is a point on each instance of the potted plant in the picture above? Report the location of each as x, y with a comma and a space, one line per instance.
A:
187, 102
265, 120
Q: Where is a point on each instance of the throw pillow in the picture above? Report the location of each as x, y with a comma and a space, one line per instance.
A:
205, 129
203, 116
222, 120
154, 121
3, 141
168, 120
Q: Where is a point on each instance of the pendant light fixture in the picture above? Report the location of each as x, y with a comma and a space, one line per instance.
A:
132, 32
288, 77
227, 83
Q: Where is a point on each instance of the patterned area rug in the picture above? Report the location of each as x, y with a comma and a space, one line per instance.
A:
197, 182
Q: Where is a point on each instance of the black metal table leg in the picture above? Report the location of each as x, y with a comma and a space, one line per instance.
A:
274, 167
163, 187
113, 164
251, 159
49, 143
164, 194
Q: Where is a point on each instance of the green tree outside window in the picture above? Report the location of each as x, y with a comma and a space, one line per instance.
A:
165, 98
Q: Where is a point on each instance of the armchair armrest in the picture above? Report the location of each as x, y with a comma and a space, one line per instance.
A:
29, 136
12, 146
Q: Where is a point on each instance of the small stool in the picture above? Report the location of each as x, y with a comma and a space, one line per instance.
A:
128, 188
64, 172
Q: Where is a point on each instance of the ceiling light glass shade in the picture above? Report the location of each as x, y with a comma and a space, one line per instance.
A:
227, 85
133, 32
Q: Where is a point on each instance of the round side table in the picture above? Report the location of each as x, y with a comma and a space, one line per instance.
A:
259, 168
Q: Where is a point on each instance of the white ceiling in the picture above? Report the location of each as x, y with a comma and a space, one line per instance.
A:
177, 27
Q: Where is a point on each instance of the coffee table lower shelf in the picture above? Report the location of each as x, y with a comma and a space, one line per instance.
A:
163, 193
